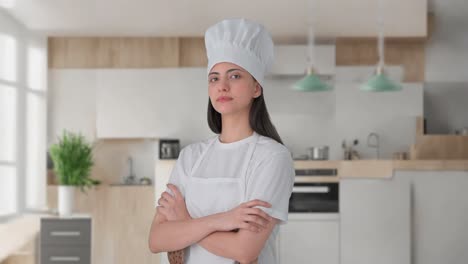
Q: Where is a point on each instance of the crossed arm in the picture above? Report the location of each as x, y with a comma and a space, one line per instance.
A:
173, 229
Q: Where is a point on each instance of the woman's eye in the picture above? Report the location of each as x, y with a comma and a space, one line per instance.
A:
214, 79
235, 76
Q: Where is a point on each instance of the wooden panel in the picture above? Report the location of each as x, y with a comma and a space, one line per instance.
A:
113, 52
366, 169
441, 147
72, 52
410, 53
431, 165
122, 217
192, 52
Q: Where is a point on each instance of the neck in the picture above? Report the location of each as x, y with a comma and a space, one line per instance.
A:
235, 128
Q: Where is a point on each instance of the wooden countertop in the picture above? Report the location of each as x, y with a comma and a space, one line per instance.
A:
379, 168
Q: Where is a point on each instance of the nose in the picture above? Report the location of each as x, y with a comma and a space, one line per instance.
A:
223, 85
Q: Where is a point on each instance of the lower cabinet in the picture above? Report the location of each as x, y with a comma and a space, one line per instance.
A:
65, 240
375, 221
305, 240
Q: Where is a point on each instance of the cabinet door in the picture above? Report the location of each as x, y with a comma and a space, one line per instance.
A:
309, 241
375, 221
150, 103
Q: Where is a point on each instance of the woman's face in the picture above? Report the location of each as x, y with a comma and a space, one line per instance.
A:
231, 88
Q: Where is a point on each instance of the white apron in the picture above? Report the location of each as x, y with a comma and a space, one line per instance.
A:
207, 196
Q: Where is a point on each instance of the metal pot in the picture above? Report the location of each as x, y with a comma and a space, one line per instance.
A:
318, 153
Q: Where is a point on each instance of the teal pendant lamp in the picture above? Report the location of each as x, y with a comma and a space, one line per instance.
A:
380, 82
311, 82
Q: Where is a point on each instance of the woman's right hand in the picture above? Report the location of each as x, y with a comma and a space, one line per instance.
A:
244, 216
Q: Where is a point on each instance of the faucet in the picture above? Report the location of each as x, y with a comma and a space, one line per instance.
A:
130, 179
375, 145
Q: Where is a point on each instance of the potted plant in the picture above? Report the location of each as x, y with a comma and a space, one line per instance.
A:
73, 160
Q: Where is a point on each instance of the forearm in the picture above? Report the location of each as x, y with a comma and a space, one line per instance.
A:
175, 235
243, 246
225, 244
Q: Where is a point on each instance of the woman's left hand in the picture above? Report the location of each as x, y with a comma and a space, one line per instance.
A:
173, 207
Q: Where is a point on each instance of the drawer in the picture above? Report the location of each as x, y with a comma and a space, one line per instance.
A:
65, 254
66, 231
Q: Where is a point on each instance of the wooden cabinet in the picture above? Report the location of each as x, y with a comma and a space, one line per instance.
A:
375, 221
309, 240
122, 217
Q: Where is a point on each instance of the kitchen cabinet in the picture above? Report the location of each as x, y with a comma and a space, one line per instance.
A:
65, 240
309, 239
375, 221
150, 103
439, 215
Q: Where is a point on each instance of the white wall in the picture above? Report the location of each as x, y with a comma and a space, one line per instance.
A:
302, 119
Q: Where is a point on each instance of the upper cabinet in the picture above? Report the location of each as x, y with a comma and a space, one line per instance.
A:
150, 103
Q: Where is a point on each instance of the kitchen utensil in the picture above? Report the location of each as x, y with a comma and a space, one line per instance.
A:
145, 181
464, 131
301, 157
318, 153
373, 142
349, 152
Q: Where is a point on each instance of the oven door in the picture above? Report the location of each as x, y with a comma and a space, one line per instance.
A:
314, 198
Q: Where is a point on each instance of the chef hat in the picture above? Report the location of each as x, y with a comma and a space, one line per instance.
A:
242, 42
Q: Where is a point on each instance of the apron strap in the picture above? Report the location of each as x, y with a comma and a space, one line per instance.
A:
245, 165
200, 158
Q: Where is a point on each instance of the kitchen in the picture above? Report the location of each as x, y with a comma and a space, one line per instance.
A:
399, 200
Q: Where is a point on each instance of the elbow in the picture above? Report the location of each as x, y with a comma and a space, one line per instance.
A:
247, 260
248, 256
154, 246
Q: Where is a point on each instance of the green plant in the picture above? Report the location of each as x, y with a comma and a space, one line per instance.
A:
73, 160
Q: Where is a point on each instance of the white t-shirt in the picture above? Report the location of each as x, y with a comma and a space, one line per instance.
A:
269, 177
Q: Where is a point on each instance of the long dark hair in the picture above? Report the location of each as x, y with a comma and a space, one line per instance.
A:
259, 119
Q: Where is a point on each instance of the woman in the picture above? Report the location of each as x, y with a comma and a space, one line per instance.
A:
227, 194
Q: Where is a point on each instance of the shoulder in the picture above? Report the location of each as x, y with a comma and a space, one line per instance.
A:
192, 151
268, 148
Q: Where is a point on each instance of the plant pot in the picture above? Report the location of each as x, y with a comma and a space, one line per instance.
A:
66, 195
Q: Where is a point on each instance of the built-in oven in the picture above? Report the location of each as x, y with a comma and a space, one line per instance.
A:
315, 191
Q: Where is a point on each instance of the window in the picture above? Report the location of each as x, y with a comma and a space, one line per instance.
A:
23, 99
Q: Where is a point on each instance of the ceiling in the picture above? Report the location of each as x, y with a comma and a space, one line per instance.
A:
284, 19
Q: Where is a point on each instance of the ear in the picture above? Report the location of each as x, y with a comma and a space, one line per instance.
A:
258, 90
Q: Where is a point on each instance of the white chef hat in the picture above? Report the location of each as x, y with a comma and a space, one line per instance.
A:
242, 42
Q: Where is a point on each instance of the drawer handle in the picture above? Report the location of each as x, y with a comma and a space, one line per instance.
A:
311, 189
65, 233
60, 258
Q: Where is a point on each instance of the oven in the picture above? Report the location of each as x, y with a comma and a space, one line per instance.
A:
315, 191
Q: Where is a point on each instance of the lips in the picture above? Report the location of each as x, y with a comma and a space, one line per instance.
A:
224, 99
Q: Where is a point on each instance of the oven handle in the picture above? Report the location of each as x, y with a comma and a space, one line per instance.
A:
311, 189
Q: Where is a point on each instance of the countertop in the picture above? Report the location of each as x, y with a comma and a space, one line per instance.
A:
380, 168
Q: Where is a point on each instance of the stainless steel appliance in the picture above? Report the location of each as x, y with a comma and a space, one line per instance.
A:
314, 198
309, 196
318, 153
169, 148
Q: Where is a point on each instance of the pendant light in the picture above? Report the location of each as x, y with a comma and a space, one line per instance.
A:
311, 82
379, 82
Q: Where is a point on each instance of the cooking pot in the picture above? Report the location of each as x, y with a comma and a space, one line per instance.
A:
318, 153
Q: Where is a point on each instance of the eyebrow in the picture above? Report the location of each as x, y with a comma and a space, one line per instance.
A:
228, 71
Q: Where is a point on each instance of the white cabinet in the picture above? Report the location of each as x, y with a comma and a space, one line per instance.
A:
305, 240
142, 103
375, 221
